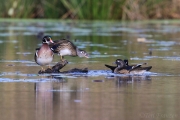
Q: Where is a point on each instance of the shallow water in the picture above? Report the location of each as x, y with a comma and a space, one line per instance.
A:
99, 94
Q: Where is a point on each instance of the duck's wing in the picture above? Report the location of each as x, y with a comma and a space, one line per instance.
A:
36, 53
57, 45
147, 68
138, 65
111, 67
60, 41
143, 68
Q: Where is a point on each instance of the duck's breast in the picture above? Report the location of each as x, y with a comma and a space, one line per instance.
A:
44, 55
44, 61
65, 51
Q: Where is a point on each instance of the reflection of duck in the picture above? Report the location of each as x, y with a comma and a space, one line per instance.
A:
56, 78
44, 55
122, 68
130, 79
65, 47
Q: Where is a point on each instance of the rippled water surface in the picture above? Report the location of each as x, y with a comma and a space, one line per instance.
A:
99, 94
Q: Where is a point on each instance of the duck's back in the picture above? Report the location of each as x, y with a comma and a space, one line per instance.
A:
63, 46
140, 70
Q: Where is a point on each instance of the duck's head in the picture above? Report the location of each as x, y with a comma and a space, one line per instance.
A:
47, 39
126, 61
82, 53
120, 63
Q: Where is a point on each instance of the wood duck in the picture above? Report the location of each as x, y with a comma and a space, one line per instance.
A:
114, 67
122, 68
44, 54
65, 47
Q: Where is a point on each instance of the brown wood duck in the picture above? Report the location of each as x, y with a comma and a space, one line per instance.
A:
124, 68
44, 55
66, 47
114, 67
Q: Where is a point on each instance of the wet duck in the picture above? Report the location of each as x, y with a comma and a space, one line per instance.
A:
122, 68
66, 47
44, 54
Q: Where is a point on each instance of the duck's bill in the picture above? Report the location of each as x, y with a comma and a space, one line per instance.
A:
87, 56
51, 41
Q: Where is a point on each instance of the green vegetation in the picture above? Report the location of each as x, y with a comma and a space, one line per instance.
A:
91, 9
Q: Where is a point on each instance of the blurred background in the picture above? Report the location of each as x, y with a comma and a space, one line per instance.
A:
91, 9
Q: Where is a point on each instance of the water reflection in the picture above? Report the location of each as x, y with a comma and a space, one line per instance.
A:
120, 80
56, 100
44, 101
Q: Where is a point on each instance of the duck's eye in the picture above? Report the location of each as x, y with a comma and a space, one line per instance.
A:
44, 40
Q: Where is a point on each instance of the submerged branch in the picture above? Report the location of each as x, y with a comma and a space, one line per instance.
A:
56, 68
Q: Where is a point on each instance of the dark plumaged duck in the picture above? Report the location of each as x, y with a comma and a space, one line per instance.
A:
66, 47
114, 67
122, 68
44, 54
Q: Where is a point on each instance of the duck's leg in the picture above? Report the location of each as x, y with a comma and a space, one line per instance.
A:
42, 69
62, 58
49, 67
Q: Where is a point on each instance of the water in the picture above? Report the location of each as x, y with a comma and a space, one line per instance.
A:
99, 94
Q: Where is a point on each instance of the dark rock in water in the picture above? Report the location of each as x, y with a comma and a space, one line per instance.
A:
56, 69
